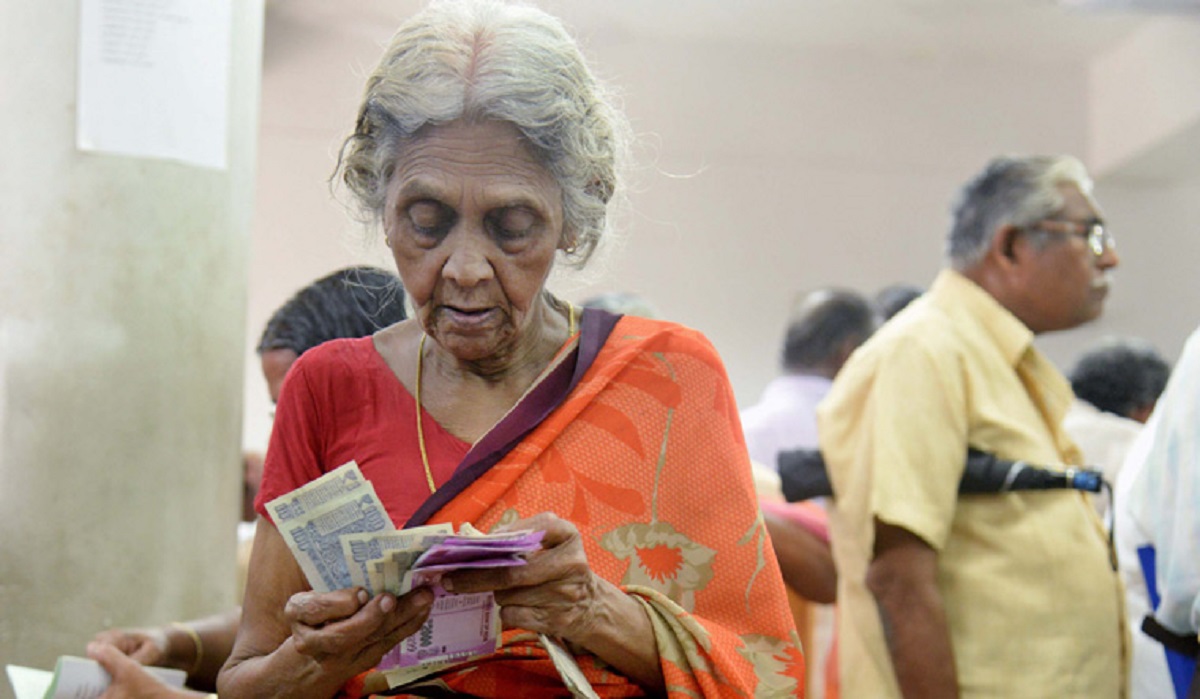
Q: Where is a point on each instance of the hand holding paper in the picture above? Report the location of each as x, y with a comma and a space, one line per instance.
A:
109, 672
343, 540
147, 646
131, 680
552, 594
351, 629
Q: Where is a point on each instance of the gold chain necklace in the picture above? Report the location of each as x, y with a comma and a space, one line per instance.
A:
420, 429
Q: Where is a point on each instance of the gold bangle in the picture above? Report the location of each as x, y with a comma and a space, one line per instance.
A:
195, 640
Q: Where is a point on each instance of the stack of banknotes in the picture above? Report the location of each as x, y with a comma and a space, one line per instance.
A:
342, 537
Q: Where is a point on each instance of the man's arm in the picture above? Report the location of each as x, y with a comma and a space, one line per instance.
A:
804, 559
903, 578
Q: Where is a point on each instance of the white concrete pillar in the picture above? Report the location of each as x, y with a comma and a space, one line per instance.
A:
122, 296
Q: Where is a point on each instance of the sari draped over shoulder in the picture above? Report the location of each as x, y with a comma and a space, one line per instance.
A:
643, 452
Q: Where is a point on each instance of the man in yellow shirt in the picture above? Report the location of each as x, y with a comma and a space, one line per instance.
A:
998, 595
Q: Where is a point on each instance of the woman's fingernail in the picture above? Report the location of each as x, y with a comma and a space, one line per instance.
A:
363, 596
387, 604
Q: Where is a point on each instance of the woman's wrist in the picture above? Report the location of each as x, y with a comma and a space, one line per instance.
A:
621, 634
184, 647
282, 674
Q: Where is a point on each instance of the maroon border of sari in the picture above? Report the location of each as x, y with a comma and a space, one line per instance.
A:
595, 326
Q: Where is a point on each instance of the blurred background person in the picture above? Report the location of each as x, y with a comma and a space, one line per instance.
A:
1157, 531
351, 302
1116, 384
1011, 594
894, 298
825, 326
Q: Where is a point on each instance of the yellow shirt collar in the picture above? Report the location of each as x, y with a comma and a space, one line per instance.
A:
978, 307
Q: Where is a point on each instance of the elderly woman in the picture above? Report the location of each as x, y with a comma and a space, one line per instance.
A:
487, 151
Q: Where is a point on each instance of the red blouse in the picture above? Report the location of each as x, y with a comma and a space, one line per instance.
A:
341, 401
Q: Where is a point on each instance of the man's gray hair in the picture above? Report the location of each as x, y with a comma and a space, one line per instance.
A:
1010, 191
479, 60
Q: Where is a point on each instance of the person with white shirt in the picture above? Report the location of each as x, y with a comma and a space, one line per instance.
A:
1116, 384
1157, 533
826, 326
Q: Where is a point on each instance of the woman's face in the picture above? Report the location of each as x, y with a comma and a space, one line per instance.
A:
473, 221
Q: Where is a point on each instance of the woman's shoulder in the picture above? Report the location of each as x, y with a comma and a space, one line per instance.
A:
337, 353
337, 363
653, 335
655, 328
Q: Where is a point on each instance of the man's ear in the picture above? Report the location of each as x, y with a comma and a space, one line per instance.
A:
1004, 244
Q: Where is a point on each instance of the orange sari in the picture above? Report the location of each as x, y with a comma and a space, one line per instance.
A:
645, 456
642, 450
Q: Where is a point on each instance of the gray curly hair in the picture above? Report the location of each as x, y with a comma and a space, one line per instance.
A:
1010, 190
482, 59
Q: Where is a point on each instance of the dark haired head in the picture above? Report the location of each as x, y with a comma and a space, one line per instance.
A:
825, 327
351, 302
893, 298
1120, 376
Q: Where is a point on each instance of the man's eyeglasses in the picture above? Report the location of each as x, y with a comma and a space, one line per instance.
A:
1097, 236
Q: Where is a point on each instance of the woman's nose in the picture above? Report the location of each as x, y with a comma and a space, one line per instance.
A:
467, 261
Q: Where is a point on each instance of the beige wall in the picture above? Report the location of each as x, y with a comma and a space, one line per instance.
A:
766, 170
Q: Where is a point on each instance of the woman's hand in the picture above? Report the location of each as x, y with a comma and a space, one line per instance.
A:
556, 593
348, 632
129, 679
298, 643
145, 646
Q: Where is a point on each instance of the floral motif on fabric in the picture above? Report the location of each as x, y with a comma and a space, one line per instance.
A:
757, 536
778, 666
683, 643
661, 559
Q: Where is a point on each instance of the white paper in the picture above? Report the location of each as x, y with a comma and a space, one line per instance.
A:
75, 678
28, 682
568, 669
154, 79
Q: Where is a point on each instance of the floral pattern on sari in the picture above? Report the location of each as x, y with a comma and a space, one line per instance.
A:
662, 559
779, 666
632, 458
757, 534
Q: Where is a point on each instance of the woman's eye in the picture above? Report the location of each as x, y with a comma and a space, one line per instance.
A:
429, 217
514, 222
